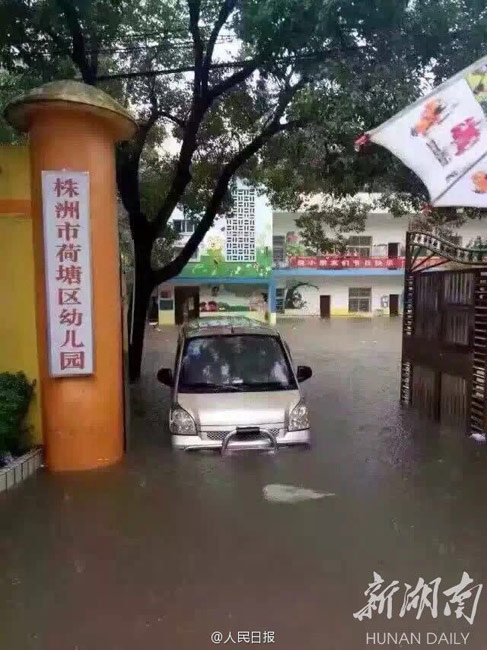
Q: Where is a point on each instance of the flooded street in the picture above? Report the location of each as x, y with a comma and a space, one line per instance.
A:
167, 548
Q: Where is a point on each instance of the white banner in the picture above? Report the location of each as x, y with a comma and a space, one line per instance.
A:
67, 250
443, 139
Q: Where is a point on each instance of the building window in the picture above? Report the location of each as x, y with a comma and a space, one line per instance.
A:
240, 245
359, 300
194, 257
183, 226
359, 245
279, 248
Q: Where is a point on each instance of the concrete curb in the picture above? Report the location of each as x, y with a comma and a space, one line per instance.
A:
20, 469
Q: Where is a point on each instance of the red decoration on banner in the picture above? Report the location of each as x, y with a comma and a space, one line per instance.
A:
361, 141
465, 135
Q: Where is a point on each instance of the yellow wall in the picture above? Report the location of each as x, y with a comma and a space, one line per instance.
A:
18, 345
166, 317
14, 172
350, 314
298, 313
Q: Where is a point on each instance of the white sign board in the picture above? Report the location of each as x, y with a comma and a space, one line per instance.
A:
67, 250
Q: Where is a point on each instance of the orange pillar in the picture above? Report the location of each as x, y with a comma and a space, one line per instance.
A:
73, 127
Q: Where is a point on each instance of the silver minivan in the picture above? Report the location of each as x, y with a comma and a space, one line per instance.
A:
234, 386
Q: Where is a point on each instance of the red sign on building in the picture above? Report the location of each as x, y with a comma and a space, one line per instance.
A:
346, 262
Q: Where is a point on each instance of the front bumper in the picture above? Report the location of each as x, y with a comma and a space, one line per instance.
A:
198, 442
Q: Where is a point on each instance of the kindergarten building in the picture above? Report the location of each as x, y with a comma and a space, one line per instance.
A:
231, 272
253, 262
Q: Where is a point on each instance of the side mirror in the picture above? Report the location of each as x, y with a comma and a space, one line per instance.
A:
303, 373
164, 375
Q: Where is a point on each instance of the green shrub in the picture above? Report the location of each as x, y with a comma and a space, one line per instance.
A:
15, 395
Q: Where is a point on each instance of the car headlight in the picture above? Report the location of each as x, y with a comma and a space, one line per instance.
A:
181, 423
299, 417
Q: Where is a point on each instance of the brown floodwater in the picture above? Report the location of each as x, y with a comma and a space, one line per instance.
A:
166, 548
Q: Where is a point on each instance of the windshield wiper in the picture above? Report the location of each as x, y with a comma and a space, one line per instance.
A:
270, 385
215, 387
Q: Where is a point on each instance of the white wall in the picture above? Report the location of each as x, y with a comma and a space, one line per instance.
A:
382, 227
472, 229
283, 222
381, 286
337, 288
385, 229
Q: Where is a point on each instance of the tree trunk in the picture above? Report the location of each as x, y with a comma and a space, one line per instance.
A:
144, 284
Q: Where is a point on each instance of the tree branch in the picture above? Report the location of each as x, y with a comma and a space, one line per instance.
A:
156, 112
128, 158
225, 10
234, 79
177, 120
275, 126
194, 16
182, 175
94, 51
78, 52
176, 266
200, 105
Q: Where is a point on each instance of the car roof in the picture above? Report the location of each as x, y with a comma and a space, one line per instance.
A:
226, 326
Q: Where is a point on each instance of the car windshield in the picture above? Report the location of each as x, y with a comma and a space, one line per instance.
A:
234, 363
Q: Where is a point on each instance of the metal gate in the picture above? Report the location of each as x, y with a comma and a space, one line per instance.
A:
444, 347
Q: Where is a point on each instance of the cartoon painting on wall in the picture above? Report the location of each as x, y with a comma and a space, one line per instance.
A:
297, 296
238, 244
214, 250
233, 298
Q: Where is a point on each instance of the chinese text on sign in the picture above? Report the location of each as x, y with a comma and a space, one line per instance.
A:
67, 250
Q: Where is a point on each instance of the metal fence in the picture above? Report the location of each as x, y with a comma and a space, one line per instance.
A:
444, 354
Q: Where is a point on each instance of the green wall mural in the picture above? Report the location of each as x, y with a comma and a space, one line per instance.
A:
214, 264
238, 244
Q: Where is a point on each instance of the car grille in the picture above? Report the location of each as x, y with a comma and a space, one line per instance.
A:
219, 435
